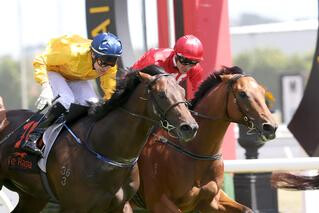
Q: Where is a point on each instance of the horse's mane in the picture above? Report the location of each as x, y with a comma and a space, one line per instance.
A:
211, 82
126, 81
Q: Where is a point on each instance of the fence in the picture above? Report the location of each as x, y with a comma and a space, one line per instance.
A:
271, 165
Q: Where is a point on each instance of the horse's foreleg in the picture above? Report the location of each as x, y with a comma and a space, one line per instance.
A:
29, 204
126, 192
221, 203
164, 205
127, 208
229, 205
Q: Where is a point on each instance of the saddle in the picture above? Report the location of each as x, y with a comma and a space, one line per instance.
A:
21, 160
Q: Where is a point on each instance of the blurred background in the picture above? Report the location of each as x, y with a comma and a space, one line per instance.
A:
272, 40
269, 39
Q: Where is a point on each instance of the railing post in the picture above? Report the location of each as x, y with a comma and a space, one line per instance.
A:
254, 189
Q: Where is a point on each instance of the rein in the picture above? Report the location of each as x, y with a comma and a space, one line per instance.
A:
180, 149
163, 123
200, 115
38, 112
130, 163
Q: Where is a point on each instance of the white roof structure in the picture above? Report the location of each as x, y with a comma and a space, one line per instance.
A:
290, 37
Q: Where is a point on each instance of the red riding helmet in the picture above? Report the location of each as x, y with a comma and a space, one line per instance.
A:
190, 47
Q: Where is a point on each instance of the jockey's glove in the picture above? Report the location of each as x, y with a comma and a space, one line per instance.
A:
45, 97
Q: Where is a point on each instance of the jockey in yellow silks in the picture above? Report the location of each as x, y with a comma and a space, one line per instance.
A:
65, 68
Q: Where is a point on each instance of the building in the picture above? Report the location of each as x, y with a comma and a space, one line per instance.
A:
290, 37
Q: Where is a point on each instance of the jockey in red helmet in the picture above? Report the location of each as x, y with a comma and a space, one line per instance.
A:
190, 47
182, 61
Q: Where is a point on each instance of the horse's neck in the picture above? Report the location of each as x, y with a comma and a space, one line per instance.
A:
211, 131
121, 135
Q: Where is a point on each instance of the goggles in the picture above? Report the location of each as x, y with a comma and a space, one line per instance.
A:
186, 61
107, 60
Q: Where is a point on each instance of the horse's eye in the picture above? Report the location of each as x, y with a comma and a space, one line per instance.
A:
242, 95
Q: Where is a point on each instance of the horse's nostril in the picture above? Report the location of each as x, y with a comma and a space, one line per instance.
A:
268, 127
185, 128
189, 127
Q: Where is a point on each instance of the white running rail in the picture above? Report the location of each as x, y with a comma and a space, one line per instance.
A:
271, 165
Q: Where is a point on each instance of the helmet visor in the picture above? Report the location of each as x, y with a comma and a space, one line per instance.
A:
186, 61
107, 60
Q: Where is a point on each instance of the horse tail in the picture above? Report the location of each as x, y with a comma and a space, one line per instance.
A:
294, 182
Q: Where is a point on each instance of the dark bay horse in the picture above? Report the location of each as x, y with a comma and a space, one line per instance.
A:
92, 177
295, 182
185, 177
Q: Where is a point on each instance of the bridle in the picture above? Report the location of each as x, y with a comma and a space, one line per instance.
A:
252, 128
248, 120
162, 114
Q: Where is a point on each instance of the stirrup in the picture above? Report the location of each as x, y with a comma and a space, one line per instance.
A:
32, 148
42, 149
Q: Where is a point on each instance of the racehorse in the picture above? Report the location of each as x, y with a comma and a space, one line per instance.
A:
295, 182
88, 177
185, 177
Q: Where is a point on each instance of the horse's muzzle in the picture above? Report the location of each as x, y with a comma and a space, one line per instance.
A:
187, 131
269, 131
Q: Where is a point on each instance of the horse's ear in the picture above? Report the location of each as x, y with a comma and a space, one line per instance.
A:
144, 76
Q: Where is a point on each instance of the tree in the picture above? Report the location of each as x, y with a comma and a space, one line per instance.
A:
10, 82
267, 66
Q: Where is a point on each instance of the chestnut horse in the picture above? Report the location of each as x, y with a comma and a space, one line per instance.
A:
295, 182
184, 177
89, 177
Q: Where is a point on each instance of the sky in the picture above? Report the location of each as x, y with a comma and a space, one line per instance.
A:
40, 20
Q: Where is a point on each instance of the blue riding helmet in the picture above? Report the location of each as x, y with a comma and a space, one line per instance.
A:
106, 44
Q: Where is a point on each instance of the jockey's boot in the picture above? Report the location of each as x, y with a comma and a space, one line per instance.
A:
30, 145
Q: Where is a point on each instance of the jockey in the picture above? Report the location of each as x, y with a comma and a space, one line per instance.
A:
65, 68
182, 61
